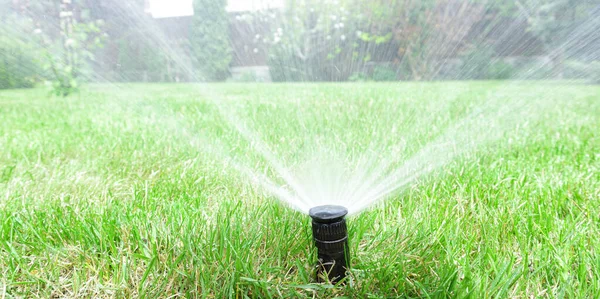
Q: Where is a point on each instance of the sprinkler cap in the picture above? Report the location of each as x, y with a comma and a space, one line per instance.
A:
331, 239
327, 213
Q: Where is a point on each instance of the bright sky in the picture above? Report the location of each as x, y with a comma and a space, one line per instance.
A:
179, 8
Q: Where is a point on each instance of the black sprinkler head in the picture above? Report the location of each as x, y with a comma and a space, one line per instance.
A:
331, 239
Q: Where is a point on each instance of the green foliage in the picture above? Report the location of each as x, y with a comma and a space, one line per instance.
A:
312, 40
554, 20
67, 58
418, 35
476, 63
594, 72
64, 81
19, 66
315, 40
484, 64
500, 70
210, 39
584, 70
557, 23
380, 73
358, 77
384, 73
19, 56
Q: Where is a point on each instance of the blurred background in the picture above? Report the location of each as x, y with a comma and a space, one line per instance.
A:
62, 43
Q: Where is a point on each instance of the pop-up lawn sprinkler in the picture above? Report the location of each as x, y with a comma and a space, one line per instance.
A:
331, 239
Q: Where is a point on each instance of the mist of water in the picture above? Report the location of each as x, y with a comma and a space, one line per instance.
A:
330, 169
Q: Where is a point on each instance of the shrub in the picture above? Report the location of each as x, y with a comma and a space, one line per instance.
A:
310, 40
500, 70
384, 73
476, 64
595, 72
358, 77
67, 59
19, 67
583, 70
484, 64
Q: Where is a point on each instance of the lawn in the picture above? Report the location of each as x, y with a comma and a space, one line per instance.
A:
131, 190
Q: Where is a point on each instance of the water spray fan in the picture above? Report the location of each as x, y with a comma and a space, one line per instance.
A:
330, 235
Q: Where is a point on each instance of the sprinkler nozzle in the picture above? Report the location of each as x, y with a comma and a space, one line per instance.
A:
331, 239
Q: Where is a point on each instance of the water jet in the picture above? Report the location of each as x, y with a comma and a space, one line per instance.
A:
330, 235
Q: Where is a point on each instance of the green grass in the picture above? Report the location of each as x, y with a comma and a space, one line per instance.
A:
113, 193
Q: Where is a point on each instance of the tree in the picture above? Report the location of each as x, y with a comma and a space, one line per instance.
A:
210, 39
